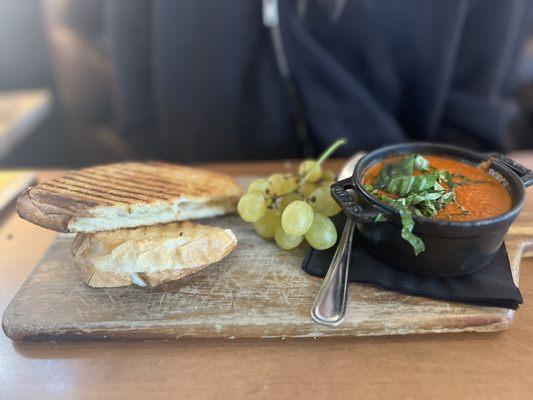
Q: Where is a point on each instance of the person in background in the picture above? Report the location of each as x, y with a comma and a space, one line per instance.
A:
195, 81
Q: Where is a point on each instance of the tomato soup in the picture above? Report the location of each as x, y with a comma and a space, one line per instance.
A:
483, 196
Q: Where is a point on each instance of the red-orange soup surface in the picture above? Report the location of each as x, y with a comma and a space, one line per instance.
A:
482, 200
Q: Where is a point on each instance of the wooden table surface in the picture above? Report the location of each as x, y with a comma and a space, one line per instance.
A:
467, 366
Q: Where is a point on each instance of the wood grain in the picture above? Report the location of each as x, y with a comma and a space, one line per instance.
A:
418, 367
259, 291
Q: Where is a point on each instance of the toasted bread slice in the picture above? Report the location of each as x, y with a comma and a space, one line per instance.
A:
148, 256
127, 195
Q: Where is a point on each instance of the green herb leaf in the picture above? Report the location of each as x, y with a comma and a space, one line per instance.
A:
402, 168
423, 194
449, 180
380, 218
407, 231
421, 163
423, 182
369, 187
400, 186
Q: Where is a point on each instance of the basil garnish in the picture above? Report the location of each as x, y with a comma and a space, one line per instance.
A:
420, 194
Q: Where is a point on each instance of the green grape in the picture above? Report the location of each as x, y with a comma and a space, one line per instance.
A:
252, 207
277, 183
297, 218
260, 185
307, 188
322, 201
307, 166
285, 241
322, 234
288, 199
329, 177
282, 184
290, 183
267, 225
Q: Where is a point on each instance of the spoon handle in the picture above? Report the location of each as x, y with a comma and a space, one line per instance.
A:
329, 307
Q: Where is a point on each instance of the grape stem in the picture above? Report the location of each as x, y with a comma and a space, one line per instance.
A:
323, 157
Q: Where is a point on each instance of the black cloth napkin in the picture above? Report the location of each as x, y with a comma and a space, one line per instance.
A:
492, 286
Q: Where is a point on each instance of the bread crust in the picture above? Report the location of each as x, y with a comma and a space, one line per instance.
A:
122, 192
42, 214
100, 279
149, 256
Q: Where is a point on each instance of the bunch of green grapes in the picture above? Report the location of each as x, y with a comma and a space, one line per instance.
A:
293, 207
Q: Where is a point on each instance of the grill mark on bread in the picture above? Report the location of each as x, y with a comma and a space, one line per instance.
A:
64, 196
53, 198
111, 194
148, 181
113, 188
145, 179
96, 191
88, 192
171, 172
190, 189
174, 174
149, 177
72, 194
130, 182
115, 195
102, 191
138, 184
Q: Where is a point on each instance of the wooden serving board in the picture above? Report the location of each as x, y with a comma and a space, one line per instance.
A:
259, 291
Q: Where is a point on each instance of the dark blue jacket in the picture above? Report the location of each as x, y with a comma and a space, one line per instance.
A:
207, 80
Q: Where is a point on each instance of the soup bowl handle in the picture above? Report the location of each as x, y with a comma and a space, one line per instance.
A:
349, 204
525, 174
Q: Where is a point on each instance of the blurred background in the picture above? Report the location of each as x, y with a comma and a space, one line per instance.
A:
85, 82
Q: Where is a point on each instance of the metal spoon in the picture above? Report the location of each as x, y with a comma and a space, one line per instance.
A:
329, 307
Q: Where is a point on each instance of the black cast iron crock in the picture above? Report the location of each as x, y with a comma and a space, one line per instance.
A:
452, 247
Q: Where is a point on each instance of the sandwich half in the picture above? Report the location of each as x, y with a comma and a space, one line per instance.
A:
127, 195
149, 256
